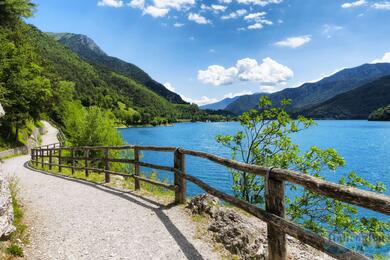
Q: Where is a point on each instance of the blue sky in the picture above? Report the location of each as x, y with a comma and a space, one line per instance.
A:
208, 50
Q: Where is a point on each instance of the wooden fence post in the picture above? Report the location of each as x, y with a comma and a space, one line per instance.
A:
107, 165
59, 160
86, 154
73, 160
42, 158
50, 158
180, 182
137, 169
274, 203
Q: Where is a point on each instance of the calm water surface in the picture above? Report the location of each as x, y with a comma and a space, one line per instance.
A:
364, 145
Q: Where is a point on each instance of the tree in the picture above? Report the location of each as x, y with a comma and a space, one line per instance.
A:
26, 88
89, 126
10, 10
266, 140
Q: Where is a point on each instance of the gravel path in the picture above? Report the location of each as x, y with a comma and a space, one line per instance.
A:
71, 219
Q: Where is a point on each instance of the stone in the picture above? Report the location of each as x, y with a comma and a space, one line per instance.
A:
238, 236
2, 112
204, 204
6, 210
230, 229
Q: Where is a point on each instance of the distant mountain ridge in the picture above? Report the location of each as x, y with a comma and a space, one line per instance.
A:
358, 103
310, 94
87, 49
220, 105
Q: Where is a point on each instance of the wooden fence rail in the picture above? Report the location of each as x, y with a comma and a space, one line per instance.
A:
275, 178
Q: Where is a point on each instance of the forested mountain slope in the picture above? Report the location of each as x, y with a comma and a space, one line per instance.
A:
354, 104
310, 94
88, 50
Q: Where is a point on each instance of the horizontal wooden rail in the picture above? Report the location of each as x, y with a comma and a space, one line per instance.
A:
358, 197
277, 225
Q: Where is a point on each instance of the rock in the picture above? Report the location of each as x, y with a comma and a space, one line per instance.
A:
6, 210
2, 112
237, 235
230, 229
204, 205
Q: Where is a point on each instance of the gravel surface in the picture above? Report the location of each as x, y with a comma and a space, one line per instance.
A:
71, 219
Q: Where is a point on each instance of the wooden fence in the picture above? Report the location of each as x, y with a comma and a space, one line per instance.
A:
273, 214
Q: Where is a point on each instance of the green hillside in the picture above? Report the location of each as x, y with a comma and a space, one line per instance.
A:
87, 49
381, 114
354, 104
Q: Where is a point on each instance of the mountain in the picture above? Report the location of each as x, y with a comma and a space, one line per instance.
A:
220, 105
354, 104
91, 52
310, 94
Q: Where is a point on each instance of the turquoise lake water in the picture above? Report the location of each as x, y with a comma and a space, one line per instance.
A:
364, 145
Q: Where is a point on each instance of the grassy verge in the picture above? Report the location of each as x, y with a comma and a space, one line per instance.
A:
12, 248
147, 189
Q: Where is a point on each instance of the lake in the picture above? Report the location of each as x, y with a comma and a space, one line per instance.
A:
364, 145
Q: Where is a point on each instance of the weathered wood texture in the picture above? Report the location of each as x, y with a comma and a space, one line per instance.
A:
137, 169
180, 182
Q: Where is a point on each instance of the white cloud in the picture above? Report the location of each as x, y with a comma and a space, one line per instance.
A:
111, 3
200, 101
155, 11
385, 59
235, 14
354, 4
173, 4
241, 93
137, 4
217, 75
259, 20
255, 26
255, 16
382, 5
178, 25
294, 42
215, 8
197, 18
260, 2
268, 89
225, 1
269, 72
169, 86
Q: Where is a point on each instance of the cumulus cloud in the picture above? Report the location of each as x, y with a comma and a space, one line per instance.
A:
204, 100
382, 5
259, 20
354, 4
294, 42
260, 2
269, 72
215, 8
178, 25
174, 4
155, 11
197, 18
234, 15
217, 75
111, 3
137, 4
384, 59
169, 86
